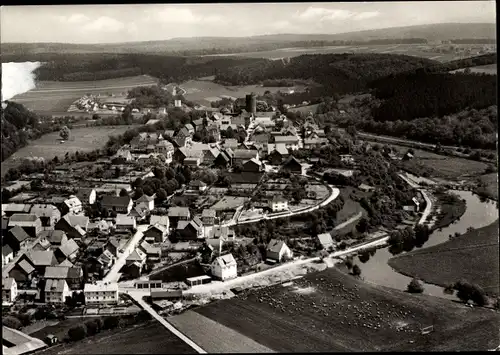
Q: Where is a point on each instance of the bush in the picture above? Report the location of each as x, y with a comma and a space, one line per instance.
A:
92, 327
77, 333
24, 318
348, 264
143, 316
12, 322
415, 286
110, 322
356, 270
449, 289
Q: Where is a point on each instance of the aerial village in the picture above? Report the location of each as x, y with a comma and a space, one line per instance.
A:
88, 232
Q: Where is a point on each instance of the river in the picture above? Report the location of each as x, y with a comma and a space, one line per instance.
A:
377, 270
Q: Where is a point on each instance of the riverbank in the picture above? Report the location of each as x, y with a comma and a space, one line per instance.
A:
451, 209
472, 256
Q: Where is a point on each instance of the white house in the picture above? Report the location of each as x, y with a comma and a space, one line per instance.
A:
278, 203
277, 250
224, 267
101, 293
56, 291
290, 142
7, 254
125, 223
9, 290
148, 201
73, 205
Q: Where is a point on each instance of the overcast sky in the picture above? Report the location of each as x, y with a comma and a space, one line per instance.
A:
124, 23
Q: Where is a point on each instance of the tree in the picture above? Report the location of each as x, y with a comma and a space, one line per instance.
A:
161, 194
362, 225
64, 133
415, 286
143, 316
351, 130
123, 192
12, 322
92, 327
348, 264
24, 319
449, 289
138, 193
356, 270
77, 333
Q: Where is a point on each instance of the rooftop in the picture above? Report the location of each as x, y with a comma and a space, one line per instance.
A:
101, 286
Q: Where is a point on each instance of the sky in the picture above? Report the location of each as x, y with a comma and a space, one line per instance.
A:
149, 22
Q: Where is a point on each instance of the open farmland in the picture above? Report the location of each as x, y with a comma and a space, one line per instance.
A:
416, 50
150, 338
49, 146
57, 96
214, 337
472, 256
203, 91
331, 311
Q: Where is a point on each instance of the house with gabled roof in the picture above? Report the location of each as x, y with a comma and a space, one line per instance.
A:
72, 205
163, 220
310, 143
73, 227
41, 259
139, 212
22, 271
208, 217
242, 155
252, 165
7, 254
224, 267
276, 153
156, 233
56, 291
31, 224
293, 165
150, 251
230, 143
87, 195
197, 185
176, 214
41, 244
277, 250
113, 246
148, 201
125, 223
49, 214
8, 209
134, 263
290, 142
190, 230
56, 238
122, 156
9, 290
119, 204
278, 203
224, 159
68, 250
326, 241
17, 239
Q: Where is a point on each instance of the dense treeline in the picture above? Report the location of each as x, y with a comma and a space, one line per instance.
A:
19, 125
485, 59
149, 96
338, 73
72, 67
411, 96
474, 41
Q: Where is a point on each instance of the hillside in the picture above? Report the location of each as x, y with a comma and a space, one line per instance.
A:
464, 32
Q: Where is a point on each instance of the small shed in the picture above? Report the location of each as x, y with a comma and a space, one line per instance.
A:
198, 280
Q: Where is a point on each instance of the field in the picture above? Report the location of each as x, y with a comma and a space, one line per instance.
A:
487, 69
305, 109
448, 167
472, 256
48, 146
331, 311
57, 96
416, 50
150, 338
203, 91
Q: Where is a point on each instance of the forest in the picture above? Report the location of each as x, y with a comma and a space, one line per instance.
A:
168, 68
19, 125
410, 96
337, 73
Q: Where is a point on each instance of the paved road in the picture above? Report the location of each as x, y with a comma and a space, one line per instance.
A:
112, 275
137, 296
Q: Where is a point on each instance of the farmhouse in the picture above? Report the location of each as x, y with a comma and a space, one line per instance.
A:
54, 237
49, 215
150, 251
224, 267
242, 155
125, 223
148, 201
87, 195
31, 224
231, 143
22, 271
101, 293
7, 254
276, 153
310, 143
11, 208
277, 250
208, 217
67, 251
224, 159
278, 203
253, 165
122, 156
74, 226
162, 220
